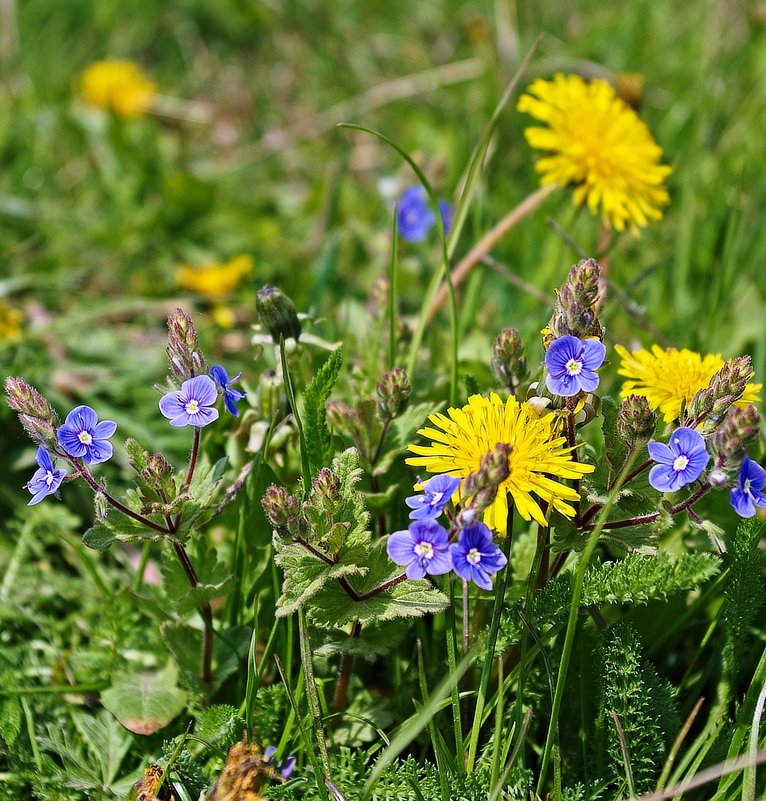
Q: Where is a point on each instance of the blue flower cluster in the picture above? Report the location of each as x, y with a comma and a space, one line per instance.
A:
424, 548
685, 457
82, 436
414, 218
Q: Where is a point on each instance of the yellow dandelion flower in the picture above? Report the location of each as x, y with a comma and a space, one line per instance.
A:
214, 279
538, 453
666, 378
598, 144
118, 86
10, 322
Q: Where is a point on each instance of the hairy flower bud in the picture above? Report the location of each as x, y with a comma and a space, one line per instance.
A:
277, 313
738, 431
725, 389
184, 359
281, 508
36, 415
508, 361
636, 422
574, 312
326, 492
157, 470
393, 393
481, 487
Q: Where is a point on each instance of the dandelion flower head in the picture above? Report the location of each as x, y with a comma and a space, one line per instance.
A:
214, 279
538, 455
597, 143
667, 378
119, 86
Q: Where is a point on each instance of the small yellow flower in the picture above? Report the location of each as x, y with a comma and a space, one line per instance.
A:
214, 279
118, 86
666, 378
598, 144
10, 322
538, 455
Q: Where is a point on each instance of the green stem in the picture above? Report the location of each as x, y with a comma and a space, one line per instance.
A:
489, 656
311, 691
392, 292
306, 467
574, 611
451, 632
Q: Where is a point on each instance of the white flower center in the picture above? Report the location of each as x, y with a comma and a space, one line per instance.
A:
85, 438
680, 463
473, 556
746, 486
437, 498
49, 478
573, 367
192, 407
425, 550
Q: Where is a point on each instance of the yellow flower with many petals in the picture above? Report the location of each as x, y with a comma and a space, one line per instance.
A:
598, 144
666, 378
214, 279
538, 455
119, 86
10, 322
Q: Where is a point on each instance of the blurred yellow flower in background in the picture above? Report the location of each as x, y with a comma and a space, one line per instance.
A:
214, 279
119, 86
667, 378
598, 144
10, 322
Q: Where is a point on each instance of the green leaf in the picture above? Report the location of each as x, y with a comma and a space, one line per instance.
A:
305, 575
333, 606
373, 642
615, 447
221, 726
202, 492
118, 527
106, 739
10, 720
318, 437
203, 594
145, 702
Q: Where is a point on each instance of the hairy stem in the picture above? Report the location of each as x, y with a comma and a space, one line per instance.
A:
192, 460
205, 610
344, 674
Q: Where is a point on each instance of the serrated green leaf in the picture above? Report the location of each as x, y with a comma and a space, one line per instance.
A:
118, 527
202, 492
106, 739
220, 725
203, 594
317, 433
305, 575
373, 642
145, 702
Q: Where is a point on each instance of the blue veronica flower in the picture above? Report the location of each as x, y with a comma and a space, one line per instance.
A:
230, 396
414, 217
437, 492
748, 494
82, 436
572, 365
285, 768
46, 480
192, 404
679, 462
475, 556
423, 548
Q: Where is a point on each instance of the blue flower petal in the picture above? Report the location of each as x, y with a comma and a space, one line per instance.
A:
594, 353
659, 452
743, 503
400, 547
686, 441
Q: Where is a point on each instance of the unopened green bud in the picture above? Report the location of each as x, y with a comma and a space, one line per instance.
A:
481, 487
325, 492
157, 470
184, 357
37, 417
726, 387
99, 504
574, 312
636, 422
738, 431
277, 313
281, 508
393, 393
508, 361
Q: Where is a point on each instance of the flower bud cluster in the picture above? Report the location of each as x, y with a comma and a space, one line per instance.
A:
282, 509
574, 312
277, 313
636, 422
479, 489
36, 415
184, 357
726, 387
738, 431
393, 393
509, 363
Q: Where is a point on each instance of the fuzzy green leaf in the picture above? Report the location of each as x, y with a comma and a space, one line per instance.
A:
202, 491
221, 725
615, 447
203, 594
318, 437
118, 527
